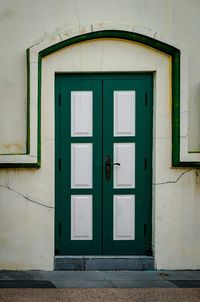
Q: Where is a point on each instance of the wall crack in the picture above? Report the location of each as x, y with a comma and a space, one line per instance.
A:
173, 181
26, 197
60, 36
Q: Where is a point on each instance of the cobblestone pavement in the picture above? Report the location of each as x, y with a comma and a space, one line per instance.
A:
96, 295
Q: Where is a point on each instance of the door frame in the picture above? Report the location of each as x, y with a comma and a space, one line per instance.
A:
160, 65
114, 75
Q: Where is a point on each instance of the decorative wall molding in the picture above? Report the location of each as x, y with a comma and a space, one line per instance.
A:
142, 35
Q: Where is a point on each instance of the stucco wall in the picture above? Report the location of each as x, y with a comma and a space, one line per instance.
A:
27, 195
24, 23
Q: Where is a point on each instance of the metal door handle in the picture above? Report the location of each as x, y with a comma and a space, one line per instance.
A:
109, 164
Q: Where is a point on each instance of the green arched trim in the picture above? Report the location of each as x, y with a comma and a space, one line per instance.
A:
130, 36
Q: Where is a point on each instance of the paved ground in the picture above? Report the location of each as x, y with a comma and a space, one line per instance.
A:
98, 295
142, 286
100, 279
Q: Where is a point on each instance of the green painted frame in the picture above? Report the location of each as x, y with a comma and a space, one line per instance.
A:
146, 176
173, 52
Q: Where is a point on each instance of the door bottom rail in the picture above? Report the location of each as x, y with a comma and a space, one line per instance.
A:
111, 263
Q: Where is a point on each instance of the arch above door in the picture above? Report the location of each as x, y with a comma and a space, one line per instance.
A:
35, 54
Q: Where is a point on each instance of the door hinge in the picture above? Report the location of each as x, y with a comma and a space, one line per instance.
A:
59, 229
145, 163
59, 100
146, 98
59, 164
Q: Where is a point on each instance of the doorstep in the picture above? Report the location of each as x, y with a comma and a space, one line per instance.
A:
101, 263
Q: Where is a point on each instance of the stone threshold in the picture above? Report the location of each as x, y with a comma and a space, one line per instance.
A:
101, 263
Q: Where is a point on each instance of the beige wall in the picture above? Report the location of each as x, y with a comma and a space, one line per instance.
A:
24, 22
27, 195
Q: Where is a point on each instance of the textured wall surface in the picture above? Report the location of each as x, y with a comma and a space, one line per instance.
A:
27, 195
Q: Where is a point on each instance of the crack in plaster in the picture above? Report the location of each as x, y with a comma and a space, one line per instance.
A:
39, 41
173, 181
60, 36
27, 198
68, 30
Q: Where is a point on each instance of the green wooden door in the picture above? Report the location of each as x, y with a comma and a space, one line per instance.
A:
103, 164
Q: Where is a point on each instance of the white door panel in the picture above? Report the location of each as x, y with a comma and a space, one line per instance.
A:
124, 113
124, 175
81, 165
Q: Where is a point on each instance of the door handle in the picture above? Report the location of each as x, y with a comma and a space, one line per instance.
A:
109, 164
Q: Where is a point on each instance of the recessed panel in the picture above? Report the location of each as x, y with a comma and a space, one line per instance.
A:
124, 175
81, 217
124, 113
123, 217
81, 113
81, 165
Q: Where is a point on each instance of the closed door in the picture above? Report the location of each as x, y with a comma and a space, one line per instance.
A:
103, 164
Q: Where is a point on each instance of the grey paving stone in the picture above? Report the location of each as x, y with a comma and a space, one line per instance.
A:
143, 284
109, 279
83, 284
15, 275
113, 264
180, 275
70, 264
104, 263
147, 263
132, 275
136, 263
26, 284
113, 284
75, 275
187, 283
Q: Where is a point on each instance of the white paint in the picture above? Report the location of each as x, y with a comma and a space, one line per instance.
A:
81, 166
81, 113
124, 113
123, 217
81, 217
124, 175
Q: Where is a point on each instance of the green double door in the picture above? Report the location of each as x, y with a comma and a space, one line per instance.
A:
103, 164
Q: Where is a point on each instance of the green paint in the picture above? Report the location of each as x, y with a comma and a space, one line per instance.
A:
176, 110
39, 108
64, 85
142, 190
124, 35
103, 86
118, 34
28, 103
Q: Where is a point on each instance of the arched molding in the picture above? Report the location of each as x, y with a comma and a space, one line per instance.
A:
179, 87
